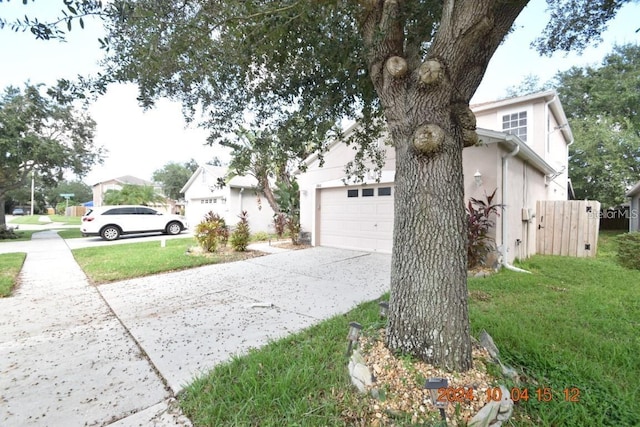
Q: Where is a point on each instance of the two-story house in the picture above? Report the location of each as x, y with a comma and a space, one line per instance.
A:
523, 155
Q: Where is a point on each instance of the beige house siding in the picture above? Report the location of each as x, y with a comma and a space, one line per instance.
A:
525, 186
535, 169
548, 132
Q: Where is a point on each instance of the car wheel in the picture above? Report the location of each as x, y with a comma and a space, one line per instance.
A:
174, 228
110, 232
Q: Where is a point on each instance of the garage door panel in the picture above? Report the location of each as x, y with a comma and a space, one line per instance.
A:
361, 223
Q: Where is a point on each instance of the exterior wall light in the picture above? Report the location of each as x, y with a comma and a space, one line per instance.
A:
384, 308
433, 385
477, 178
354, 334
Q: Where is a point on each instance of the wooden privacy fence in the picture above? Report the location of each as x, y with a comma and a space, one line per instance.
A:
568, 228
75, 211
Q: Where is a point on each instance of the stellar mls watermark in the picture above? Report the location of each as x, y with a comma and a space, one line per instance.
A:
615, 214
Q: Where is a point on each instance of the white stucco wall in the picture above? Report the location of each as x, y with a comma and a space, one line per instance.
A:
259, 213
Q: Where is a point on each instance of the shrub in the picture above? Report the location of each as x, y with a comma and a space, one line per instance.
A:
241, 235
7, 233
280, 223
212, 232
629, 250
293, 225
480, 222
260, 236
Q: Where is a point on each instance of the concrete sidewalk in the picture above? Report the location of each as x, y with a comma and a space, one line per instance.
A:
65, 358
73, 354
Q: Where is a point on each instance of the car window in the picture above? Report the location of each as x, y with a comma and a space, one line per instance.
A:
120, 211
146, 211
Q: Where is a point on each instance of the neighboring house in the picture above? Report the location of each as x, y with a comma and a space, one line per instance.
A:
203, 194
101, 188
523, 154
634, 211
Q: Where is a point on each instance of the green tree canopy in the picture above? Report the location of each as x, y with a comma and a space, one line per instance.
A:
81, 192
602, 104
40, 134
612, 88
604, 160
260, 64
173, 176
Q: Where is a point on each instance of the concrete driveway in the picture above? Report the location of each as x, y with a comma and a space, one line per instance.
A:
116, 354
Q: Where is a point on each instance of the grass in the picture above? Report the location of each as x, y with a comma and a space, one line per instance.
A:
119, 262
22, 235
69, 233
572, 324
35, 219
297, 381
10, 265
65, 233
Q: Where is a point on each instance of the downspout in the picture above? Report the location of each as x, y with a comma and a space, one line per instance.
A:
505, 180
241, 191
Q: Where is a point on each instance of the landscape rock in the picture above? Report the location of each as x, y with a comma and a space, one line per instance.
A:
487, 342
494, 413
359, 372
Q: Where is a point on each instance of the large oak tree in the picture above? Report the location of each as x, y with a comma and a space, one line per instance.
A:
416, 64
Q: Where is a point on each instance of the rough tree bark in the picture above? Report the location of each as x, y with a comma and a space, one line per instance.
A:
426, 104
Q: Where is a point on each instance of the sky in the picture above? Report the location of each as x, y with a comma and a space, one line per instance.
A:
140, 142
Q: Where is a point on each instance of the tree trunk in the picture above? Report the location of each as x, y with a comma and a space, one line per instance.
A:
428, 316
425, 98
265, 188
3, 217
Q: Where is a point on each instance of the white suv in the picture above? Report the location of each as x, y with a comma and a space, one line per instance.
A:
110, 222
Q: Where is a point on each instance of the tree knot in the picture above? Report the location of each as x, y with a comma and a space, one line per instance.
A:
428, 139
431, 71
396, 66
466, 120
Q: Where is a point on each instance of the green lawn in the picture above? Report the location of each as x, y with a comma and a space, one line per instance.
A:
110, 263
10, 265
69, 233
35, 219
571, 325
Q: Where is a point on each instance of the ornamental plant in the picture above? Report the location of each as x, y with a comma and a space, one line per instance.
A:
212, 232
241, 235
280, 224
480, 220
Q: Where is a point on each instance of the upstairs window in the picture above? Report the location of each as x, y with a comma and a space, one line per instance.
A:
516, 124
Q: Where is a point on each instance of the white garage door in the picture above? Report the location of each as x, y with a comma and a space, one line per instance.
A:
357, 218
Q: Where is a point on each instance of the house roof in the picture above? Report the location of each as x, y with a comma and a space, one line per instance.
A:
246, 181
634, 190
128, 179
